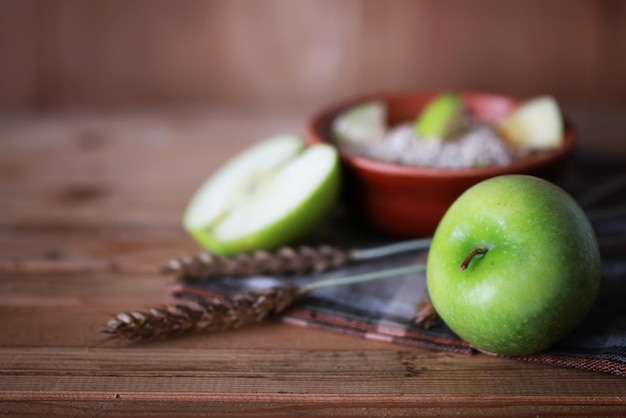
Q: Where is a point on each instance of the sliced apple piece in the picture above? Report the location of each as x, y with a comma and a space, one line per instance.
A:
536, 124
442, 118
238, 179
360, 124
268, 196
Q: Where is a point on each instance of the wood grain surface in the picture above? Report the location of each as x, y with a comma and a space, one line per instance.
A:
276, 53
90, 206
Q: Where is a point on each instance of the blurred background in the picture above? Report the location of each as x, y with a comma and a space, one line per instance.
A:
282, 56
65, 54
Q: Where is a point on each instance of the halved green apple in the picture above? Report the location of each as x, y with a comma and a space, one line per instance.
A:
536, 124
271, 194
361, 124
442, 118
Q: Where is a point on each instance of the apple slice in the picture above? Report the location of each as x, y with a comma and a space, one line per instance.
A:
536, 124
237, 179
269, 195
360, 124
442, 118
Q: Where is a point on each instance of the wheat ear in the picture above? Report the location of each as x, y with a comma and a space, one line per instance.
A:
216, 313
222, 312
286, 260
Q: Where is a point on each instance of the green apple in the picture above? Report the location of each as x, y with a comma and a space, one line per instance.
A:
269, 195
442, 118
514, 265
360, 124
536, 124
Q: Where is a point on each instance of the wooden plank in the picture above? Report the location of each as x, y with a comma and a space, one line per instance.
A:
65, 53
93, 190
289, 405
20, 75
71, 310
277, 371
136, 167
277, 381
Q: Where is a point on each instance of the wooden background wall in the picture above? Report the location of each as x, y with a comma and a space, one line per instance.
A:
287, 53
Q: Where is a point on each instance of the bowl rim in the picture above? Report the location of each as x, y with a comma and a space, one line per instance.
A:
525, 164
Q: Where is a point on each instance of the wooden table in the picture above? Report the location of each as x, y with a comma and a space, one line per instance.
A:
90, 206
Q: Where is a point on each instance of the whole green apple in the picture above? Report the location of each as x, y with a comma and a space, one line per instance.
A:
514, 265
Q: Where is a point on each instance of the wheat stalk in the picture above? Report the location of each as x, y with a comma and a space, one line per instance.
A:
222, 312
286, 260
219, 312
425, 314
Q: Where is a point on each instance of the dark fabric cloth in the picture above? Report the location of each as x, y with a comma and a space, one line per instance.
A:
384, 310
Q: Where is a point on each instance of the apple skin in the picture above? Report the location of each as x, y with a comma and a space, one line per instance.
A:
539, 278
442, 118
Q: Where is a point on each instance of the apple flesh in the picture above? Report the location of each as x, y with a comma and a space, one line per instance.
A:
237, 179
270, 195
536, 124
364, 123
442, 118
514, 265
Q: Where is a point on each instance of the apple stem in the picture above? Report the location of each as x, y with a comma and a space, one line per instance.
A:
472, 254
385, 250
418, 268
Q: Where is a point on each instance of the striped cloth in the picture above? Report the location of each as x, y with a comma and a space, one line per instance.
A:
384, 311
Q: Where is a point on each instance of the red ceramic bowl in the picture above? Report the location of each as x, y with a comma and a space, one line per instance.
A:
408, 201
